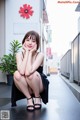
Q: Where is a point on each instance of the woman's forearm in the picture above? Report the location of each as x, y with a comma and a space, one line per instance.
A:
29, 64
24, 63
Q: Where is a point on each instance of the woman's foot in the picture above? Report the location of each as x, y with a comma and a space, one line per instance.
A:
37, 103
30, 105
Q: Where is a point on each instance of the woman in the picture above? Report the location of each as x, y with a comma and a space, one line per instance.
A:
29, 77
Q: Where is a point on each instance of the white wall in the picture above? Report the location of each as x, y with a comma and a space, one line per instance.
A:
79, 24
17, 26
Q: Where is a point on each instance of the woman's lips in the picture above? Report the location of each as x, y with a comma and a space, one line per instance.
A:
29, 46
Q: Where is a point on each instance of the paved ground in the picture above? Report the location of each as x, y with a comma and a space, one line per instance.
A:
62, 105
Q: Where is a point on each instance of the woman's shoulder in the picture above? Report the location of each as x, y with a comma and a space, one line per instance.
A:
40, 54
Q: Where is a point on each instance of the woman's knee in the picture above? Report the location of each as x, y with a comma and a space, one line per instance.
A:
30, 77
33, 76
17, 75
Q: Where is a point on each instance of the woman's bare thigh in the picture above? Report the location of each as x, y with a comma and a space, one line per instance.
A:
40, 80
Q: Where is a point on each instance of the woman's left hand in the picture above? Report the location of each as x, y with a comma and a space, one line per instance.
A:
33, 49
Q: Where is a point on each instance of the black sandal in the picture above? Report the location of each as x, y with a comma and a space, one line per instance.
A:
30, 107
37, 106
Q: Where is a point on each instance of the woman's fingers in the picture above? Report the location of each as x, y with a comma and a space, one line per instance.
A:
24, 47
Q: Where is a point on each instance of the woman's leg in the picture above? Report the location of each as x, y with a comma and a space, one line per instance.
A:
22, 85
36, 85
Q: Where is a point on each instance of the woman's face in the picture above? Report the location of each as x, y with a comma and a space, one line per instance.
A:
30, 42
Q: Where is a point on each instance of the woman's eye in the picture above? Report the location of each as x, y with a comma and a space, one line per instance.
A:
33, 41
27, 39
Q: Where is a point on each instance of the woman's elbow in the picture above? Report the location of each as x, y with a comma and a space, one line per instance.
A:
21, 72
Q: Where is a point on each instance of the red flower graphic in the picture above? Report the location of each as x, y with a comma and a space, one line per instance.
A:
26, 11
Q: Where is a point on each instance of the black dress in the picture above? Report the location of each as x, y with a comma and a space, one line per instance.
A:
44, 94
17, 95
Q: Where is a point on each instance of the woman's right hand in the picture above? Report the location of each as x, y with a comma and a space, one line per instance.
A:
25, 49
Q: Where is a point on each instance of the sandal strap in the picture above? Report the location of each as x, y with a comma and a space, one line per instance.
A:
29, 98
38, 97
30, 106
37, 106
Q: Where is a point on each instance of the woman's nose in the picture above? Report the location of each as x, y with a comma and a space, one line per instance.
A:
30, 41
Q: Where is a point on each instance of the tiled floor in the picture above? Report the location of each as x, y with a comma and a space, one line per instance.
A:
62, 104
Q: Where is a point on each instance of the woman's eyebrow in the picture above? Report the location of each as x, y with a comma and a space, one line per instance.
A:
33, 37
